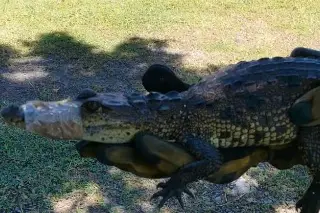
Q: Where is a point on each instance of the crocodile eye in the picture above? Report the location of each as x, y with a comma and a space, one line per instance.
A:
91, 106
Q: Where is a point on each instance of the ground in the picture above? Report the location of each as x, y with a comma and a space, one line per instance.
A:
51, 50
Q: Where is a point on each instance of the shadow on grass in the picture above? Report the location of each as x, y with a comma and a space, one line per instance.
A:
6, 53
35, 171
59, 65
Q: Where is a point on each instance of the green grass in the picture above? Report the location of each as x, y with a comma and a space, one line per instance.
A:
82, 36
272, 27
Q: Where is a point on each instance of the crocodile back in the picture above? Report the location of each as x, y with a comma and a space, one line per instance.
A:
247, 104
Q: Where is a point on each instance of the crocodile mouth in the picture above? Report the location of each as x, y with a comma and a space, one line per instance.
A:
69, 120
56, 120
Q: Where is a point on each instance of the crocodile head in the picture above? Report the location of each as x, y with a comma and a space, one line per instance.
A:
100, 117
96, 117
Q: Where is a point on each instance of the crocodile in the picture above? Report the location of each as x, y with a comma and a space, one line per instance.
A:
248, 104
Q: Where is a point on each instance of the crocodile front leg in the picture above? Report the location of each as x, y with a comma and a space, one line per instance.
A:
209, 162
309, 139
310, 202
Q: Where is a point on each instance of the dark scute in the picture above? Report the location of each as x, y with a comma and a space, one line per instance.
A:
272, 81
237, 84
291, 80
226, 113
254, 102
263, 59
258, 136
137, 100
154, 96
134, 95
241, 64
199, 102
294, 81
301, 113
160, 78
173, 95
225, 134
228, 86
279, 58
239, 112
277, 98
86, 93
302, 52
281, 129
248, 84
208, 104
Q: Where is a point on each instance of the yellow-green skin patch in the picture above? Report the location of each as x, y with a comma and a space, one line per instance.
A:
254, 134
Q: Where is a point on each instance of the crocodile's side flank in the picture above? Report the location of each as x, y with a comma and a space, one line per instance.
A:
247, 103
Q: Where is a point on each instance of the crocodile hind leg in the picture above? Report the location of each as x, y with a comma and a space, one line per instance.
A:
302, 52
309, 139
209, 161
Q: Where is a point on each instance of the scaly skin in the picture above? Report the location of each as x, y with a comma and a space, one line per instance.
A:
245, 105
304, 109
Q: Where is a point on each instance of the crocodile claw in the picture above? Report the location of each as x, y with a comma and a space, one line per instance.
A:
169, 190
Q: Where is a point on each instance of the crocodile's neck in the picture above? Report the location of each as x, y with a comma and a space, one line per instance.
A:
161, 114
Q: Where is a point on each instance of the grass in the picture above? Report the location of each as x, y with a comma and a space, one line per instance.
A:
234, 28
106, 45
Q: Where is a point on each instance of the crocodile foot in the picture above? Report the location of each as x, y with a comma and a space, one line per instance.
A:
171, 189
310, 202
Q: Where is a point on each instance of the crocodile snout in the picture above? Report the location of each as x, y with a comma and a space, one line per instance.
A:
12, 115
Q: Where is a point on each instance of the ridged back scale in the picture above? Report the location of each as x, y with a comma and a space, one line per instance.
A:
246, 104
